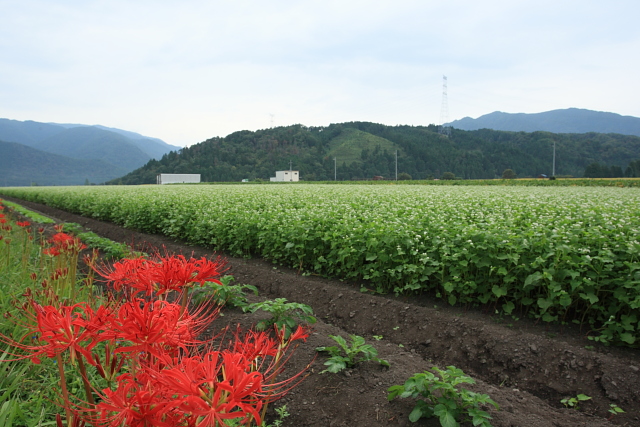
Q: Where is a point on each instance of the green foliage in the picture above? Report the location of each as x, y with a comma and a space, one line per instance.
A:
224, 294
633, 169
447, 176
109, 248
596, 170
13, 374
281, 413
283, 314
27, 391
440, 397
614, 410
347, 356
557, 254
508, 174
34, 216
353, 145
618, 328
573, 402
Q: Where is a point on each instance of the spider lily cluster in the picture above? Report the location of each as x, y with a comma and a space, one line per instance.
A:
140, 350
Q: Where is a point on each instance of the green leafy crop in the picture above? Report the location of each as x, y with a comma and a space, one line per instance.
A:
440, 397
557, 254
283, 314
224, 294
346, 356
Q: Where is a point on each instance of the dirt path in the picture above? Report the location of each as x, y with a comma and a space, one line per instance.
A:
526, 369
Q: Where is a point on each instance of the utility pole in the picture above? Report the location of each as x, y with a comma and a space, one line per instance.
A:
396, 165
554, 159
335, 169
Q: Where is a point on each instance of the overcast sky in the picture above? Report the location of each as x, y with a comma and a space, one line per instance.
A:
188, 70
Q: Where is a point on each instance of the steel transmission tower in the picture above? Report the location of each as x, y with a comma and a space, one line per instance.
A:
444, 110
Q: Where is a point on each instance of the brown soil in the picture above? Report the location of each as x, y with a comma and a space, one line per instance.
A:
526, 368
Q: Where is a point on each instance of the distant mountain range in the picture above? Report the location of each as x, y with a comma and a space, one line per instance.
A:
570, 120
71, 154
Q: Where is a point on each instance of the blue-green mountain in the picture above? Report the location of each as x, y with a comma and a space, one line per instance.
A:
570, 120
64, 151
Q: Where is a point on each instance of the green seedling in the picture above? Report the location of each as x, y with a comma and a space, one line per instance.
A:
377, 337
282, 413
346, 356
283, 314
573, 402
439, 396
614, 410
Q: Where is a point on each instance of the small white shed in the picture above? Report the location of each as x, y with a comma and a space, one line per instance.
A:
286, 176
177, 178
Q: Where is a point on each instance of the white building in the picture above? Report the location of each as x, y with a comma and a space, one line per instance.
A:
285, 176
177, 178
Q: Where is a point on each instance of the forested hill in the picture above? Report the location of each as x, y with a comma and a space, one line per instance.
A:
363, 150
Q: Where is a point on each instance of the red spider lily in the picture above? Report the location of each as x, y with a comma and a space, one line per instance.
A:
23, 224
275, 390
201, 390
255, 345
126, 273
52, 251
161, 274
176, 272
193, 393
67, 243
214, 387
173, 273
133, 404
157, 328
63, 243
301, 333
75, 328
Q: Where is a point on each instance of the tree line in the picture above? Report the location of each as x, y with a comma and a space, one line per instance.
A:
596, 170
422, 153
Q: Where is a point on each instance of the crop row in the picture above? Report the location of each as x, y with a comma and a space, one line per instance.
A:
558, 254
